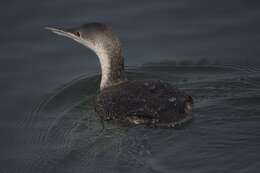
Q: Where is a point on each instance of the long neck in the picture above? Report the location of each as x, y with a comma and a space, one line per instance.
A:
112, 69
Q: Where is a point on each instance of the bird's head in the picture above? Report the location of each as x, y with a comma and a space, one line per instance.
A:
96, 36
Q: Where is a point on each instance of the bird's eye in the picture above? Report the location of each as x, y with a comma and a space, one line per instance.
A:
77, 34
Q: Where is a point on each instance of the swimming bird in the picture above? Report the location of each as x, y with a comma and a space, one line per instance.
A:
150, 102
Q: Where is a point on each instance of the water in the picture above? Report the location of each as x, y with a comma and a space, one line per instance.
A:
48, 85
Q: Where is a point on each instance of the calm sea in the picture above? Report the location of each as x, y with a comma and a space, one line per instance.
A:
48, 85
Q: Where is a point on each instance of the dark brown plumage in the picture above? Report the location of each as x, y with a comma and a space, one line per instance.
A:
154, 103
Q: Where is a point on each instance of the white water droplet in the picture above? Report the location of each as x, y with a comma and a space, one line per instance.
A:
172, 99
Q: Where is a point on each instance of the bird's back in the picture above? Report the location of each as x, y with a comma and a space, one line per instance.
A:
154, 103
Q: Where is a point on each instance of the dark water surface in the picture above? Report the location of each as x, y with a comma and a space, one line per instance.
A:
48, 84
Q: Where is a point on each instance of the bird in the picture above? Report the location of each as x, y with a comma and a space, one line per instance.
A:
152, 103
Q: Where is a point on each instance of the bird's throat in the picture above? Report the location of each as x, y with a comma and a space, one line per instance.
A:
112, 69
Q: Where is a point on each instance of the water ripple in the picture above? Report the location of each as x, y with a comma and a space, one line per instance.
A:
71, 137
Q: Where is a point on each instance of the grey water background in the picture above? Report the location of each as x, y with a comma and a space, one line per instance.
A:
48, 83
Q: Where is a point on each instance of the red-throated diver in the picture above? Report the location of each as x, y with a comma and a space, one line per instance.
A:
151, 102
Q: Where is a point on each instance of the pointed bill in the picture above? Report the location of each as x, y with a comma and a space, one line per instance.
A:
62, 32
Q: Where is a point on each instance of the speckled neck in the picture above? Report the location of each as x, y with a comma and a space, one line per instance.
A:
112, 68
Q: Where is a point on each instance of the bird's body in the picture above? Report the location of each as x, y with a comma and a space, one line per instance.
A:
153, 103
